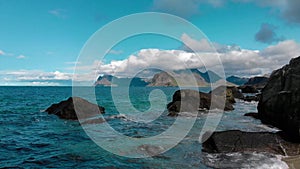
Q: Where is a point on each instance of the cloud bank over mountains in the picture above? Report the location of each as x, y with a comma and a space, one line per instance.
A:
235, 60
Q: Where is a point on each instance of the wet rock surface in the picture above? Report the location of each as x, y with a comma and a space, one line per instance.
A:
239, 141
193, 101
66, 109
279, 104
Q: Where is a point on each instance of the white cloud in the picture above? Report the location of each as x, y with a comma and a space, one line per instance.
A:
2, 52
35, 77
60, 13
44, 84
21, 57
203, 45
236, 61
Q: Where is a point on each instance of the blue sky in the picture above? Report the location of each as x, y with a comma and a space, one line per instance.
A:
41, 40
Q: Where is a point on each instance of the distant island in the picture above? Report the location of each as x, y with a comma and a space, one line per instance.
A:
183, 77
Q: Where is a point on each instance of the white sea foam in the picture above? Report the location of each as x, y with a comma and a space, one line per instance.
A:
244, 161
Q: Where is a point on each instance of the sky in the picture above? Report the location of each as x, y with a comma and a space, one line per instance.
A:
40, 41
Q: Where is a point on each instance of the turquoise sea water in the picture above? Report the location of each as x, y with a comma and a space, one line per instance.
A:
30, 138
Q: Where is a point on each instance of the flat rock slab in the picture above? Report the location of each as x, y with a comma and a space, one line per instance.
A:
239, 141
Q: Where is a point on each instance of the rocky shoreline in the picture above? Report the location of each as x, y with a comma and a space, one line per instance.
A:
278, 105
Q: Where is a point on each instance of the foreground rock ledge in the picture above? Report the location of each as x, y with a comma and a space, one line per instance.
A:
239, 141
66, 110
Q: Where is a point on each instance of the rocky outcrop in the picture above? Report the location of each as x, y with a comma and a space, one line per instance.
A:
66, 109
279, 104
239, 141
257, 82
232, 92
193, 101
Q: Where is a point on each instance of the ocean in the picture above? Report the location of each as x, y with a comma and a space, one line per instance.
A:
31, 138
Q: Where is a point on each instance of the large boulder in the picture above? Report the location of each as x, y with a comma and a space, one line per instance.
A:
239, 141
279, 104
232, 92
66, 109
193, 101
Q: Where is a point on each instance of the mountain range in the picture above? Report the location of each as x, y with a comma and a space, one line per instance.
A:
185, 78
162, 78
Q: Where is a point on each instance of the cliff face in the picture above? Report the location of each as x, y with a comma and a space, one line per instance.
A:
280, 98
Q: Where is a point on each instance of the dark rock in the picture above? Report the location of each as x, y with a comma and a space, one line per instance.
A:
236, 92
258, 82
252, 114
66, 109
223, 90
231, 92
248, 89
192, 101
239, 141
279, 104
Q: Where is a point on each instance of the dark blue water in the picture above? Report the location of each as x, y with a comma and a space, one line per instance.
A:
30, 138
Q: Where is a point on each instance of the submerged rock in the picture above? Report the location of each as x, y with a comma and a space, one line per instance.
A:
193, 101
279, 104
239, 141
66, 110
